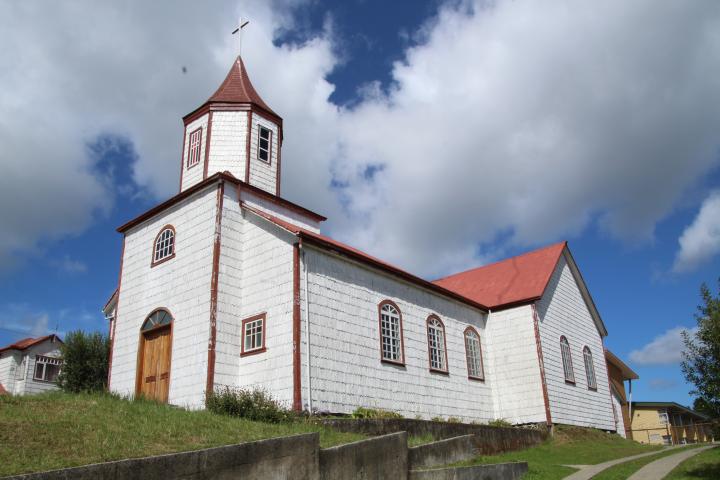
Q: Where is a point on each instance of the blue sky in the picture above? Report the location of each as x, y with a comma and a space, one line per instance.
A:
512, 105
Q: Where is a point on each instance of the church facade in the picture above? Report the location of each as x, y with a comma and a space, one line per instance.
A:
229, 284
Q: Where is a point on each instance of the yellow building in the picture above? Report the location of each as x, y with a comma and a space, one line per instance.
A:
668, 423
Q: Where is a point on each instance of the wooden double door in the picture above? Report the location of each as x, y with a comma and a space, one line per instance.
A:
154, 364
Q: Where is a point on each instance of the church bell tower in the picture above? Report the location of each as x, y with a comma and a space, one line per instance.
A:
233, 131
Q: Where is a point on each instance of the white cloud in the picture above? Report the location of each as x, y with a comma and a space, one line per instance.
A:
21, 319
70, 265
665, 349
519, 119
701, 240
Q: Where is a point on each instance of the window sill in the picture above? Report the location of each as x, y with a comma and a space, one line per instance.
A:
253, 352
159, 262
441, 372
191, 166
476, 379
592, 389
44, 381
393, 362
570, 382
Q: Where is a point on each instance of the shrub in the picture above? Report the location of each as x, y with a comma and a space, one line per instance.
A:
453, 420
362, 412
252, 404
499, 422
437, 419
85, 362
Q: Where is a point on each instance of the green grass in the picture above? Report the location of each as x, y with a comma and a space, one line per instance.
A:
59, 430
703, 466
569, 446
624, 470
416, 440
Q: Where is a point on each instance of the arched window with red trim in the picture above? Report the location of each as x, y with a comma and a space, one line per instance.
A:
164, 245
567, 359
392, 348
437, 347
473, 354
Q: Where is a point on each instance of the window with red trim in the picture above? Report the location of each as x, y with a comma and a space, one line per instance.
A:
437, 351
194, 147
164, 248
567, 360
264, 143
473, 354
390, 333
253, 335
589, 368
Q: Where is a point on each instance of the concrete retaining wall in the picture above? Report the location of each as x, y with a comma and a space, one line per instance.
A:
489, 440
381, 457
499, 471
279, 458
442, 452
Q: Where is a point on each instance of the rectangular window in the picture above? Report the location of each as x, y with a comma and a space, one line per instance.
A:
663, 418
253, 331
47, 368
264, 143
194, 147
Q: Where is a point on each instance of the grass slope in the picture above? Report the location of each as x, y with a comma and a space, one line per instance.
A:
703, 466
569, 446
59, 430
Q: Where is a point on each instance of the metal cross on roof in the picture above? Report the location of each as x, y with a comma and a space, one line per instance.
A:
241, 24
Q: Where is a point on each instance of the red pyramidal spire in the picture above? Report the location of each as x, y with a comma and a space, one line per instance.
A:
237, 88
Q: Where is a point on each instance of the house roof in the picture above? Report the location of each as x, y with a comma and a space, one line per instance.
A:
328, 243
237, 88
627, 372
111, 301
26, 343
508, 282
668, 405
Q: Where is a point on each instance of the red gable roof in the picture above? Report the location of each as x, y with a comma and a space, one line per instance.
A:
511, 281
237, 88
29, 342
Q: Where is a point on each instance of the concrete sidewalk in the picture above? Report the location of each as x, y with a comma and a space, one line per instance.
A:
660, 468
589, 471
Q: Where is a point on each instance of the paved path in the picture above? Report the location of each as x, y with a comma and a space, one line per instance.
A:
591, 470
660, 468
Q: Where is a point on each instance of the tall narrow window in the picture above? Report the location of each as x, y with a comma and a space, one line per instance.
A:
264, 143
391, 341
164, 248
589, 369
567, 360
436, 344
194, 147
253, 329
473, 353
47, 368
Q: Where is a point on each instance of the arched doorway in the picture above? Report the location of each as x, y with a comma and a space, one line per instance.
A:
153, 372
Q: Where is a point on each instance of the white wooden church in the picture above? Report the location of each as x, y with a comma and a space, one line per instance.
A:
229, 284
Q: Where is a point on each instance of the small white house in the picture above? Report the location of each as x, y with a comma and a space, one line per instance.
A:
229, 284
30, 365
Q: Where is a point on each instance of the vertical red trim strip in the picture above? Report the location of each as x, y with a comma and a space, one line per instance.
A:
297, 398
277, 168
182, 158
210, 385
117, 310
247, 150
207, 145
538, 344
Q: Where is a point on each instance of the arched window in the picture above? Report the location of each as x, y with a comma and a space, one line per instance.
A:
391, 334
437, 350
164, 247
473, 354
589, 369
567, 360
158, 318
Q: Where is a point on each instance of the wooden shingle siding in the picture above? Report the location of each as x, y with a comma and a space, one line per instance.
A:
182, 285
193, 175
228, 143
512, 353
347, 371
563, 311
263, 175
